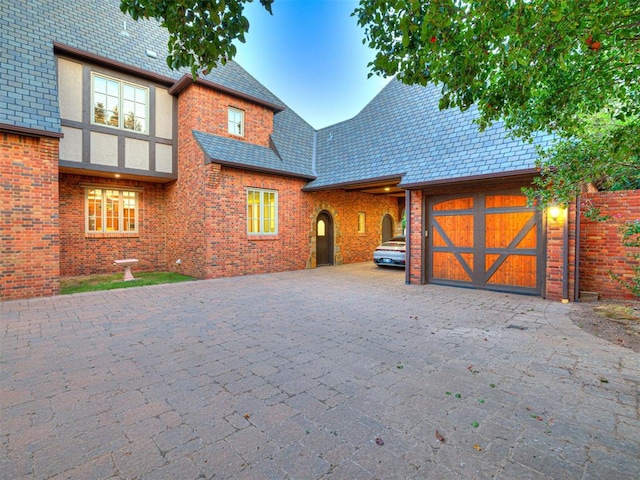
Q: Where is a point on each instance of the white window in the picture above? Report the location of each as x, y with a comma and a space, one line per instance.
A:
236, 121
119, 104
262, 212
111, 211
361, 222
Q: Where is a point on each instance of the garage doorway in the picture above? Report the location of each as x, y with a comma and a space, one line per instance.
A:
486, 240
324, 239
387, 228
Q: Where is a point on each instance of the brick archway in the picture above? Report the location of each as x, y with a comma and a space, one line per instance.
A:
337, 234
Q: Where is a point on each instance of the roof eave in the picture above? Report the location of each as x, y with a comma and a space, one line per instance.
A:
510, 175
113, 64
255, 168
29, 132
355, 183
187, 80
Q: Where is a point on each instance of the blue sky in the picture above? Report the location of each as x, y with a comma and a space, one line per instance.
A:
310, 54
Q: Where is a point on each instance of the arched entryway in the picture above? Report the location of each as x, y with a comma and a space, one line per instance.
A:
324, 239
387, 227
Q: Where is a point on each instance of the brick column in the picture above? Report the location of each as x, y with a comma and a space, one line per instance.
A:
29, 217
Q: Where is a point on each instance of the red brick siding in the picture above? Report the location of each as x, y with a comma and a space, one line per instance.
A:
84, 255
29, 257
206, 206
199, 109
351, 246
601, 249
231, 251
206, 110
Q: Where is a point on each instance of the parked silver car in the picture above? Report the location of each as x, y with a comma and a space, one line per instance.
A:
391, 253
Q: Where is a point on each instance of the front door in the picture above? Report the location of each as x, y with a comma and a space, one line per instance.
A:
387, 228
324, 239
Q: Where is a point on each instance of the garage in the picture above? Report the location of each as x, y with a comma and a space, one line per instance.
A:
487, 240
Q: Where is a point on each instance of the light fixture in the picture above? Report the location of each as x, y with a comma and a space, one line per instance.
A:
554, 212
117, 175
386, 189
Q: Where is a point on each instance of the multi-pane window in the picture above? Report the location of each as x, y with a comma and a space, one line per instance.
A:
236, 121
262, 212
111, 211
361, 222
119, 104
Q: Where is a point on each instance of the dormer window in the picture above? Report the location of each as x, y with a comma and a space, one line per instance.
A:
236, 122
119, 104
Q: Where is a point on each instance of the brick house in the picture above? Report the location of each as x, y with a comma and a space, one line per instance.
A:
107, 154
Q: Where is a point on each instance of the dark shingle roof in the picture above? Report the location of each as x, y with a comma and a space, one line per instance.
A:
237, 153
28, 87
402, 131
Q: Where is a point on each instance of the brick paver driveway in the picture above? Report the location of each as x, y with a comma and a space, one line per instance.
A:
334, 373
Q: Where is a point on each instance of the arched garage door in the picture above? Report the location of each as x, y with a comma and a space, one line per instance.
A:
486, 240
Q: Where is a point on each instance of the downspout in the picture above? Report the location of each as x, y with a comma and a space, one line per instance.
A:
576, 272
407, 265
424, 239
565, 257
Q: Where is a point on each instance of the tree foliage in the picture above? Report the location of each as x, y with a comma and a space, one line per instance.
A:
202, 32
540, 66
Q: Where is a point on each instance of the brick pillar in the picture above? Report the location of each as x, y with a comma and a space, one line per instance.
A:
417, 238
560, 267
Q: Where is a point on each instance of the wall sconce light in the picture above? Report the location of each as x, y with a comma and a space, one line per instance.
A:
554, 212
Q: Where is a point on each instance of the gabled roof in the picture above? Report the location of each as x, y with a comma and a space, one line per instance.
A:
28, 30
402, 132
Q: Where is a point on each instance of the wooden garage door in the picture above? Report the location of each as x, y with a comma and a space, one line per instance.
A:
485, 240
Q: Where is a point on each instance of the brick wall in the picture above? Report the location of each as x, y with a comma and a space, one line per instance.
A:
82, 254
189, 206
601, 250
29, 255
206, 206
232, 251
351, 246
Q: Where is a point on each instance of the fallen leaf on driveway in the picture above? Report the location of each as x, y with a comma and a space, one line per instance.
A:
439, 437
477, 447
379, 441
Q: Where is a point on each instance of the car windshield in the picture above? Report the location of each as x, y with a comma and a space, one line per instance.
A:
394, 243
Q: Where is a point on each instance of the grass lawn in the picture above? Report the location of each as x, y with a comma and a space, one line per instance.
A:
93, 283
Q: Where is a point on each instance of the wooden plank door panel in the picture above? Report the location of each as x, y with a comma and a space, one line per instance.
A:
485, 241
